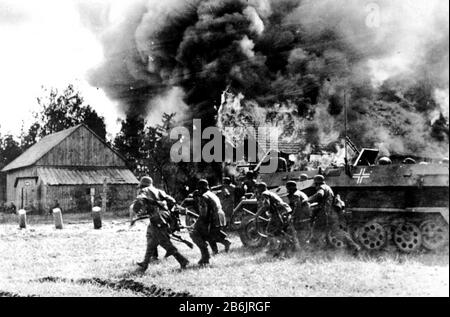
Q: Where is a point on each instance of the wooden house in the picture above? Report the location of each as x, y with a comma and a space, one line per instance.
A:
69, 168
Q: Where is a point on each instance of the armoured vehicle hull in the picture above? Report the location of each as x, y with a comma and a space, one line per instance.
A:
401, 205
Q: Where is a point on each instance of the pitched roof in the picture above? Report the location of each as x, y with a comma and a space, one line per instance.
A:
39, 149
66, 176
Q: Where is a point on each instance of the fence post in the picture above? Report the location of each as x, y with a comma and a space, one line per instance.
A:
104, 194
97, 218
57, 217
22, 218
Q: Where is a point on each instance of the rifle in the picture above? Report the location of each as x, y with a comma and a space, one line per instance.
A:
173, 236
180, 239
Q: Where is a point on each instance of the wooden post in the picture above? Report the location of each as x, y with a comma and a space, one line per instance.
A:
57, 217
104, 194
22, 218
96, 217
92, 192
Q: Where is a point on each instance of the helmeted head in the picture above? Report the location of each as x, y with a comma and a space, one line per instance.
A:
250, 175
226, 181
261, 187
409, 160
319, 180
145, 182
291, 187
203, 185
384, 161
303, 177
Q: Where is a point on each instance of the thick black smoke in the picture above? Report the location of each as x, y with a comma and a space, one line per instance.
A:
305, 55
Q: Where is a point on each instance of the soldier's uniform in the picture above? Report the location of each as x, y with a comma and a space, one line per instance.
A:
326, 217
208, 227
280, 222
250, 183
158, 231
227, 198
298, 201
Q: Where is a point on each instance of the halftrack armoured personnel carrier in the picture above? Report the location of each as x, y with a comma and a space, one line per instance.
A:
403, 204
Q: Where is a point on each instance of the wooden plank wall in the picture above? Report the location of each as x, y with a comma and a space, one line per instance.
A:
11, 179
77, 198
82, 148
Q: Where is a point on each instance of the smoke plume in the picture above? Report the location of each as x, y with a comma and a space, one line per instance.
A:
290, 63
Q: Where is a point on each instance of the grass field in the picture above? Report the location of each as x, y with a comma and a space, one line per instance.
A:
81, 261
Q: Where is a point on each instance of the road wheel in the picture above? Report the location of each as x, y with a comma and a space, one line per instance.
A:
249, 235
372, 236
407, 237
434, 234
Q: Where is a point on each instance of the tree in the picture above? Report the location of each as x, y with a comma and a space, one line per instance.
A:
9, 150
173, 177
129, 142
59, 111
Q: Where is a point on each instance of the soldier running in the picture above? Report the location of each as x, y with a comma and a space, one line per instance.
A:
209, 224
326, 216
158, 205
280, 228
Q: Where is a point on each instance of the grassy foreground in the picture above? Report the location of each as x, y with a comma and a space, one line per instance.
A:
81, 261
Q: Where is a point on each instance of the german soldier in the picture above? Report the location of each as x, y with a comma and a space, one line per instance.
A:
158, 205
211, 220
250, 182
298, 201
227, 197
326, 215
280, 228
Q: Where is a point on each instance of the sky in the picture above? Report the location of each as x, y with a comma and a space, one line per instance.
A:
44, 43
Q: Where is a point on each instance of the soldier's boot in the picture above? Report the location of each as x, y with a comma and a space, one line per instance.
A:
214, 248
204, 260
181, 259
151, 256
355, 247
227, 244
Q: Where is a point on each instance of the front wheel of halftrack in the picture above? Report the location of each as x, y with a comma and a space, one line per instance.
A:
434, 235
372, 236
249, 235
407, 237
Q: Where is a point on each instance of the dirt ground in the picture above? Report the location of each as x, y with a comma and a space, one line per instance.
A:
81, 261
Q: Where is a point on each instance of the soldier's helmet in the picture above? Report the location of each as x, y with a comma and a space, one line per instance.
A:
226, 180
261, 186
319, 179
384, 161
409, 160
291, 184
203, 184
303, 177
145, 181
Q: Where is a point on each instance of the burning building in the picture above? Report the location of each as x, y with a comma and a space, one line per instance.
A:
288, 64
